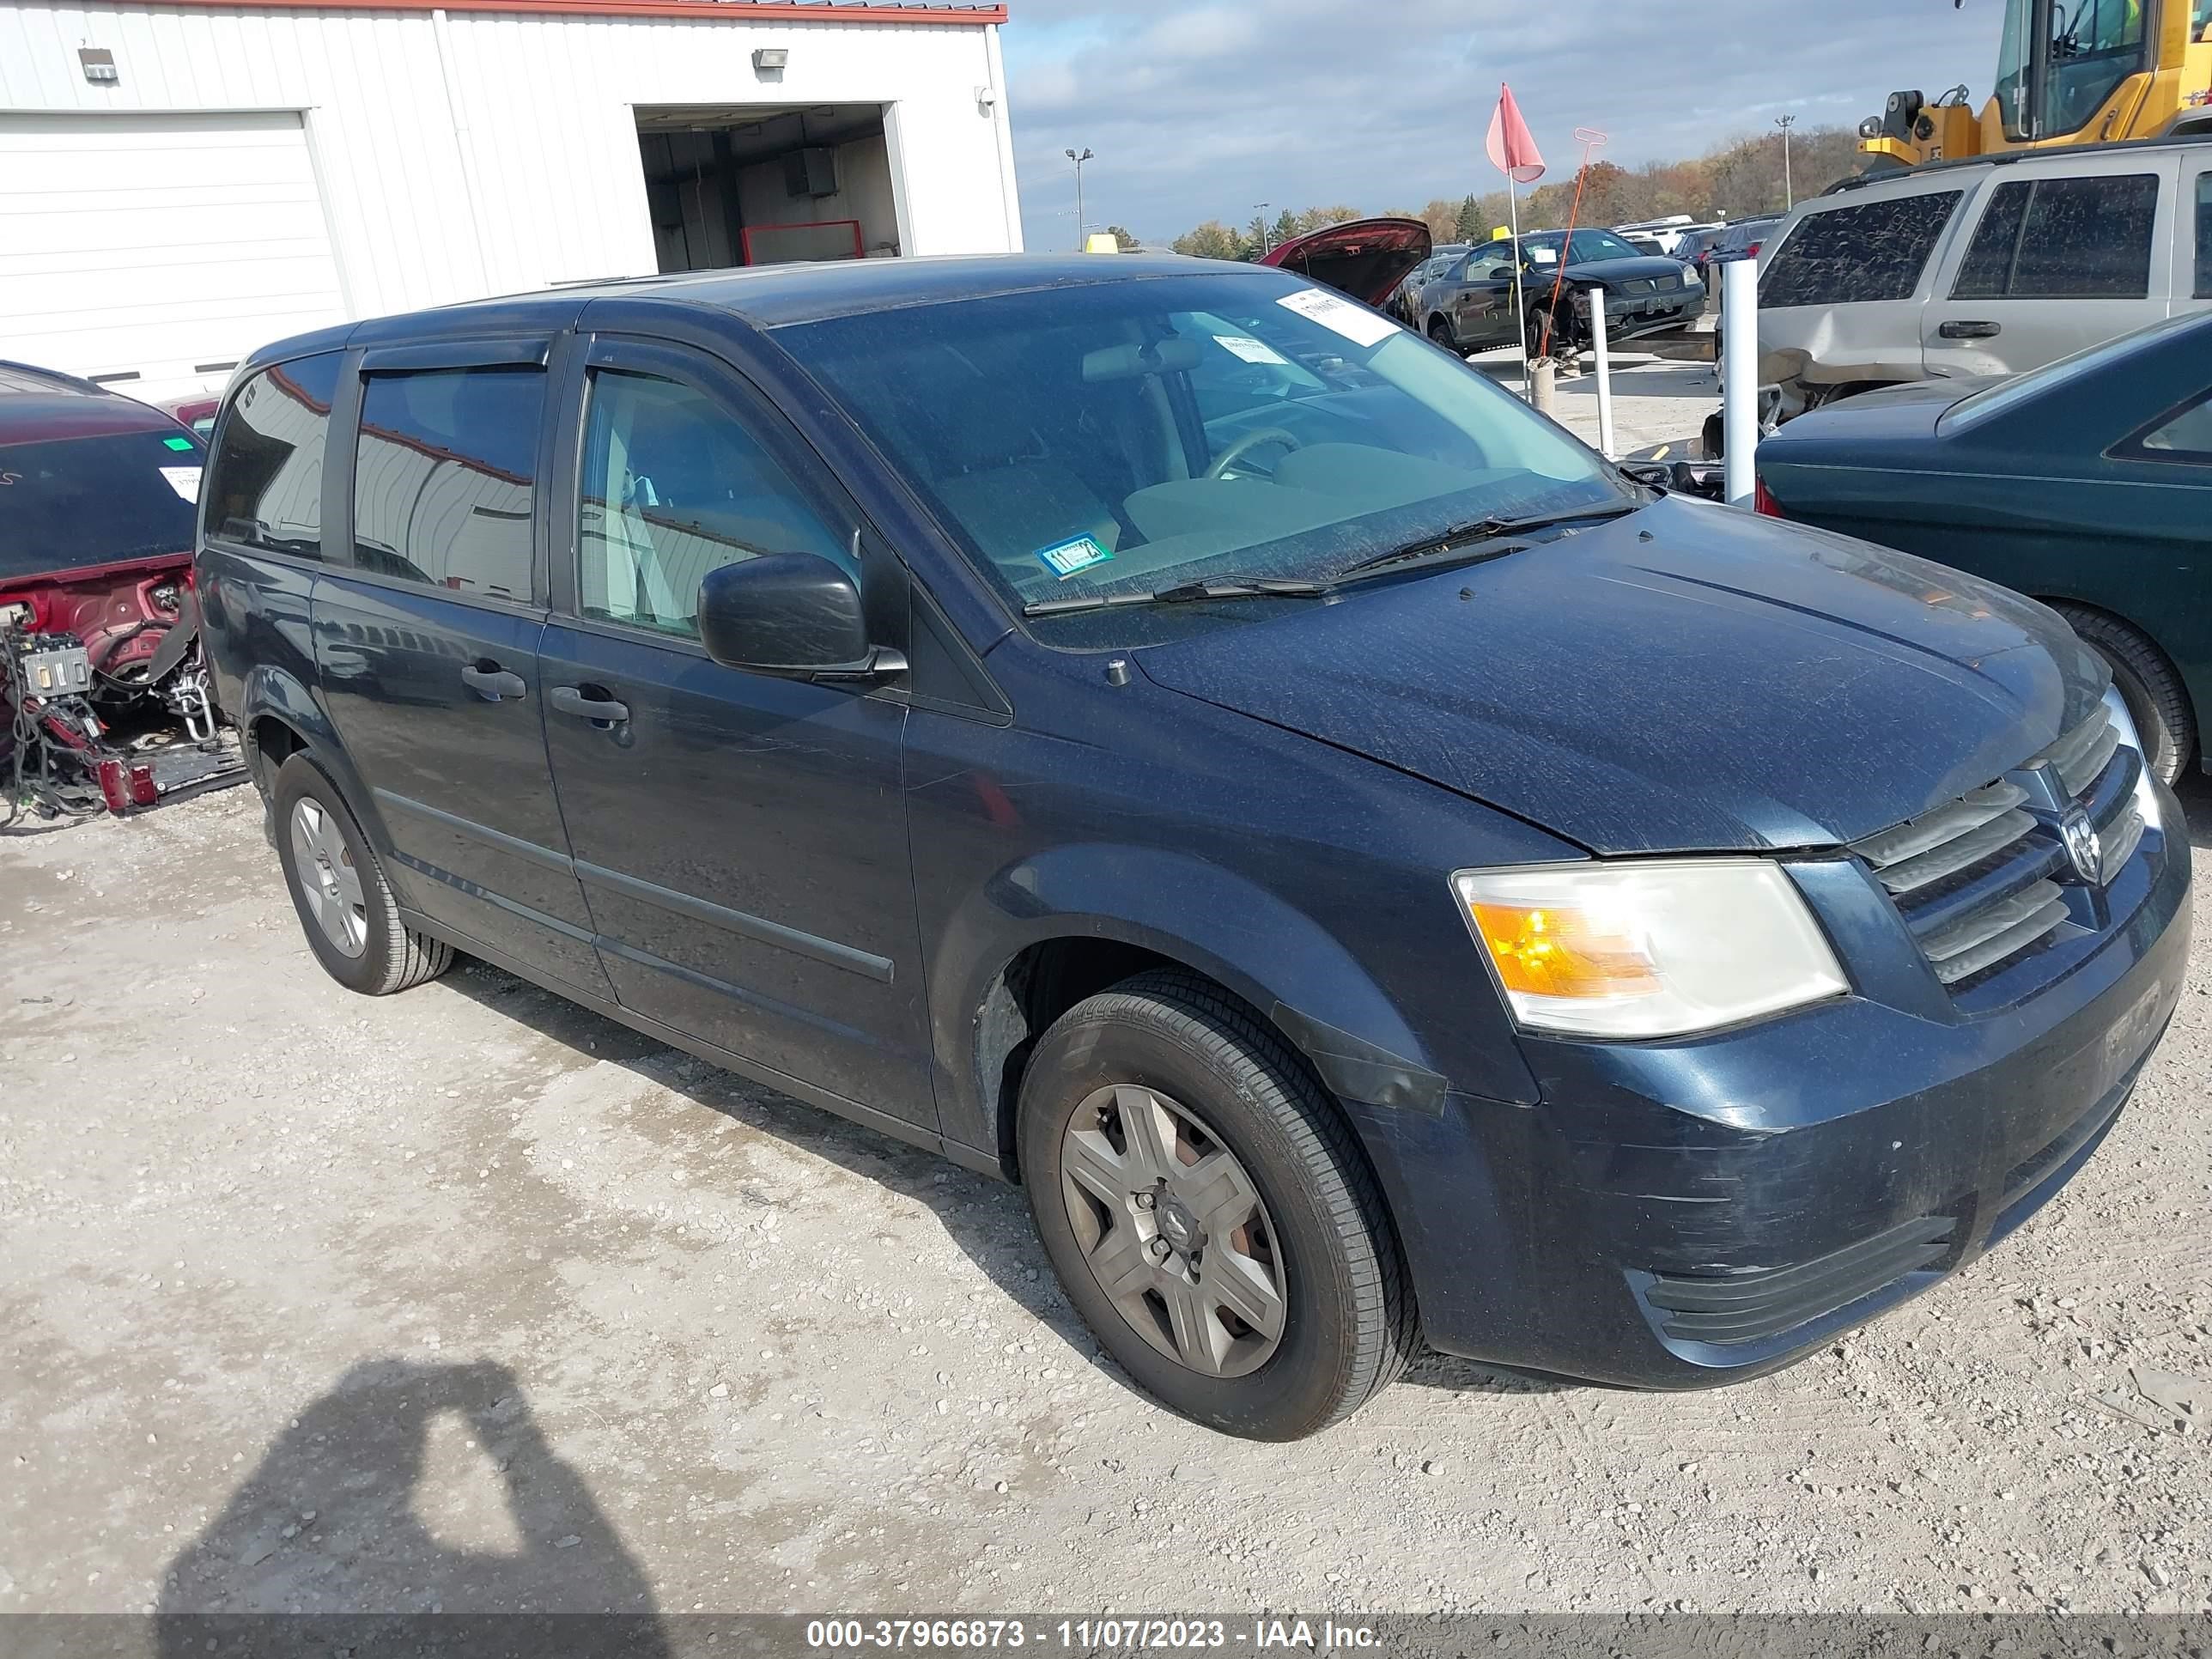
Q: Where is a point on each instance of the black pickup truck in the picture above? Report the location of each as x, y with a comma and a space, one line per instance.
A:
1470, 307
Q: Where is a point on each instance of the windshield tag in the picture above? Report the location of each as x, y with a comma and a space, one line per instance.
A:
1251, 351
1069, 558
1360, 327
184, 480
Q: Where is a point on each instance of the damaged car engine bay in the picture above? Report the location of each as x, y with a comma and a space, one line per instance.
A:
105, 703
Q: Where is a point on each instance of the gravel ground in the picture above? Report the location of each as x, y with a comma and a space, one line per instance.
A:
468, 1299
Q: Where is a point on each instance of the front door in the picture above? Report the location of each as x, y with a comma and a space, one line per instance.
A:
741, 838
2058, 262
426, 645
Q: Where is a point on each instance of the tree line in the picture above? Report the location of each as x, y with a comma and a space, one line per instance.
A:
1738, 179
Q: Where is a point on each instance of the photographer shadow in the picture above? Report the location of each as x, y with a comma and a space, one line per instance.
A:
327, 1540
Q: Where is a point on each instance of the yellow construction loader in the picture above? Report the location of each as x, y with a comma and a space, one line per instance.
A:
2069, 72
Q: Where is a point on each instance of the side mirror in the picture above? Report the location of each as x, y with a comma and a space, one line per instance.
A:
795, 615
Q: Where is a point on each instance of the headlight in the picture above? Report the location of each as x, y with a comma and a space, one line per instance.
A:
1662, 948
2146, 786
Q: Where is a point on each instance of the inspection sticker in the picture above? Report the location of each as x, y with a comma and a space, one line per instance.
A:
182, 445
184, 480
1251, 351
1068, 558
1358, 326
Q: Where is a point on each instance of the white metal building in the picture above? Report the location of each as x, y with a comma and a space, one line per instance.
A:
181, 181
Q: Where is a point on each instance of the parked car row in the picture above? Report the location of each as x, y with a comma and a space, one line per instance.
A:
1472, 304
1162, 732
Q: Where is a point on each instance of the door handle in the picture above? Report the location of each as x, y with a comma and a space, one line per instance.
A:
1971, 331
601, 710
492, 682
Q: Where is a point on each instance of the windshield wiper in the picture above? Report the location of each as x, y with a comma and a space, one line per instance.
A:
1465, 543
1263, 587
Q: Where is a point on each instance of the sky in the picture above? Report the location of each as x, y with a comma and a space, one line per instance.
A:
1198, 109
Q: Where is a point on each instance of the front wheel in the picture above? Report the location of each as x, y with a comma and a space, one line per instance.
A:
1208, 1212
2157, 700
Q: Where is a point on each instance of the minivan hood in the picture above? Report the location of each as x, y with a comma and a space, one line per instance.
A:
1689, 678
1365, 257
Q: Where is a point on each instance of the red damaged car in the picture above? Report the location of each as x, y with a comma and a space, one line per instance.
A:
104, 696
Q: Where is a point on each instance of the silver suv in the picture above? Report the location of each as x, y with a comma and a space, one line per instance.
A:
1987, 267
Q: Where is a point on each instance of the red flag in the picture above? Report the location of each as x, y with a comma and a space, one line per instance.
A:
1512, 146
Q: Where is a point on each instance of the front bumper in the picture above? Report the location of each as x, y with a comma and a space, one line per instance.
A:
1688, 1214
1628, 316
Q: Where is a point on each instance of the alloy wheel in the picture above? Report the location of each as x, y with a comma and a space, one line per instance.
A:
325, 865
1174, 1231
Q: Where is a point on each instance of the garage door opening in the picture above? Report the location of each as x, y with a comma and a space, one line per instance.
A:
759, 184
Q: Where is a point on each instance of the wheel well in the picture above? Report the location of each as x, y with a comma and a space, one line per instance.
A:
1036, 989
2064, 602
274, 743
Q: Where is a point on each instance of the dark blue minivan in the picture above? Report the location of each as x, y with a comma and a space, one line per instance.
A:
1159, 732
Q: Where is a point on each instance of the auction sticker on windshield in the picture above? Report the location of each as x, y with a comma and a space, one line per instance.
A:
1360, 327
184, 480
1069, 557
1252, 352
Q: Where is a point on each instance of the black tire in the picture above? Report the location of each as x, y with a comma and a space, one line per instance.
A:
1563, 349
1440, 331
2156, 700
392, 956
1349, 1323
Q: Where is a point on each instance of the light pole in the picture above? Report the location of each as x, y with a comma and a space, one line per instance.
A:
1080, 224
1266, 238
1789, 185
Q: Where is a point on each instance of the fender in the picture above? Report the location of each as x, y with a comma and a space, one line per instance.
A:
1275, 957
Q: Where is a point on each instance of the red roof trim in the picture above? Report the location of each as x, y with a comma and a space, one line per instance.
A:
751, 11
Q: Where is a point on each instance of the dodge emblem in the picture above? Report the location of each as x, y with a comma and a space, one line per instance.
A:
2083, 849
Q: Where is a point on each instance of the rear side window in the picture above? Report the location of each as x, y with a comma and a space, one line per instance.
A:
1873, 250
2204, 236
2187, 436
265, 490
2063, 239
445, 478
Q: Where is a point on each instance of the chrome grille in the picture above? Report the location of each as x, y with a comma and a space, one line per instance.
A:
1978, 880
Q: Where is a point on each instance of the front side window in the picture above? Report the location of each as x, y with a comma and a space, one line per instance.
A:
443, 477
1871, 251
674, 488
265, 488
1127, 435
2063, 239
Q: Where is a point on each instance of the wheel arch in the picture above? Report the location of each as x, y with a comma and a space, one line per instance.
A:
2192, 693
278, 717
1102, 914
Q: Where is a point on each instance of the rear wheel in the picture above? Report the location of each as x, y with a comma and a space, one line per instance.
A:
1208, 1212
345, 905
1441, 332
2157, 701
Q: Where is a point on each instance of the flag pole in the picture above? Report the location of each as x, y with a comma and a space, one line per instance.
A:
1519, 307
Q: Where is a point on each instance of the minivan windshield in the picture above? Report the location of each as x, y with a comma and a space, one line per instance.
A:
1122, 436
